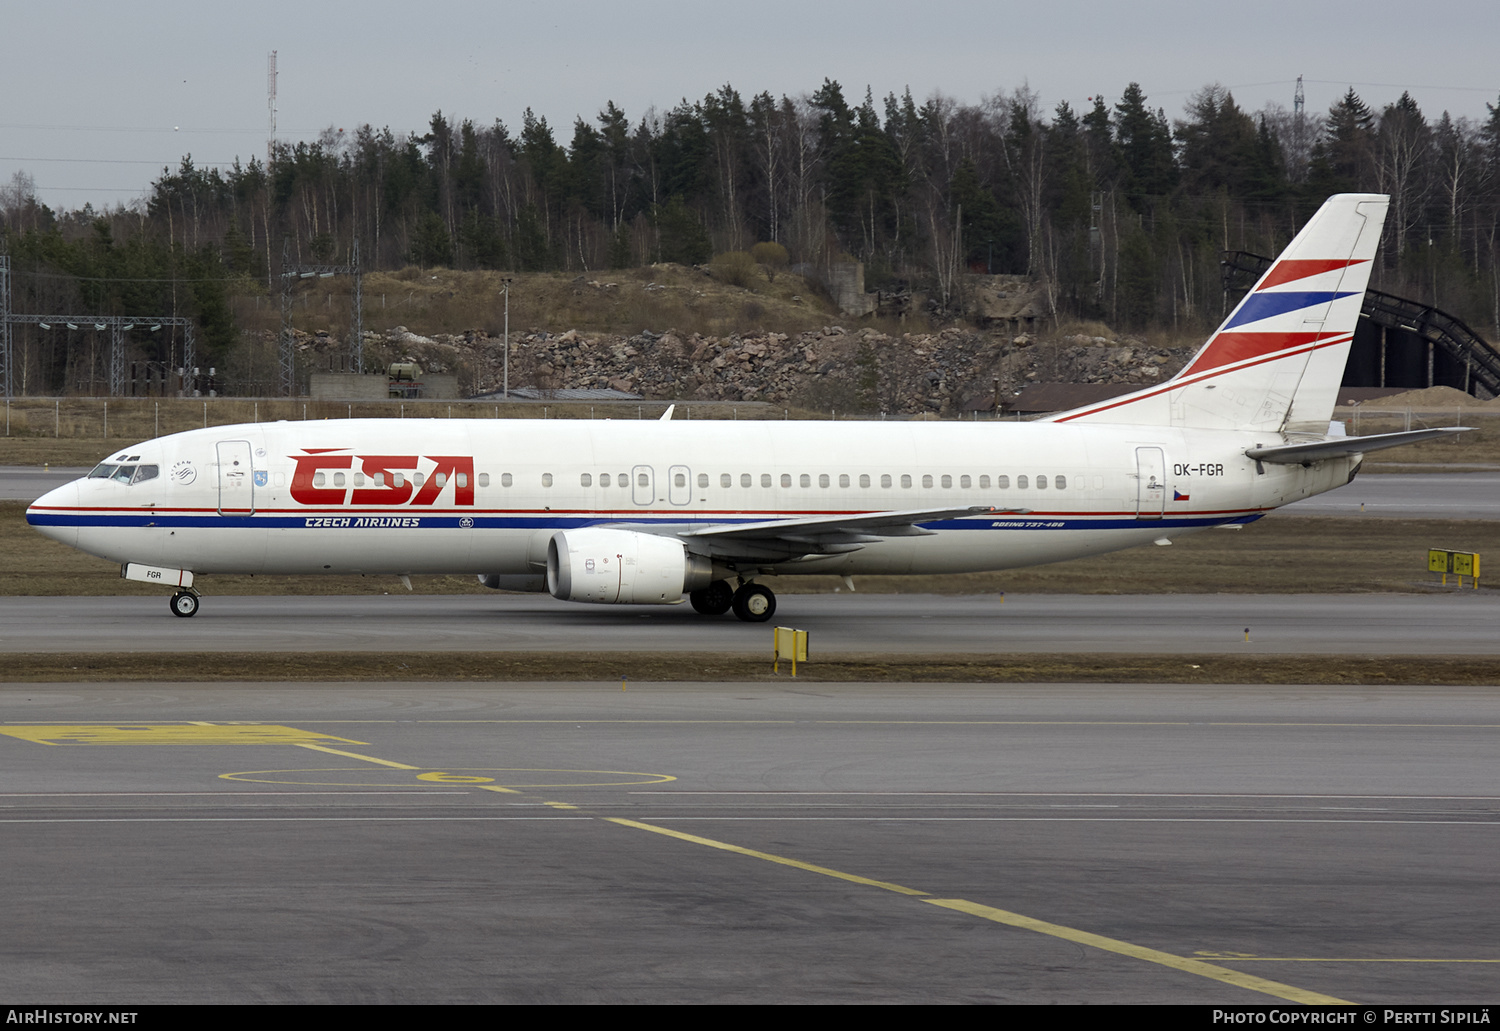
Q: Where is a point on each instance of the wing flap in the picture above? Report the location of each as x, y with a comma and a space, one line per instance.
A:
778, 540
878, 524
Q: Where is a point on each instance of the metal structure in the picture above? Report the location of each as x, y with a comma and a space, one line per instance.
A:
118, 326
505, 390
290, 274
271, 107
5, 362
1436, 330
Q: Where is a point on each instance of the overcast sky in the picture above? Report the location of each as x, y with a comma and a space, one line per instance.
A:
101, 96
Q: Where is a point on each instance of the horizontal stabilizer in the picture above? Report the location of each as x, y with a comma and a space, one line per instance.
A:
1343, 447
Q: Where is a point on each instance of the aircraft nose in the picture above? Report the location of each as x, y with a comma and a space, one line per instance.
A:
52, 514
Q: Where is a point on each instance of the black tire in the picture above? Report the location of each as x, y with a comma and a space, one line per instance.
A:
184, 604
713, 600
754, 603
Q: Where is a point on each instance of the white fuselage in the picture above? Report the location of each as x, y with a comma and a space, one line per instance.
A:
485, 496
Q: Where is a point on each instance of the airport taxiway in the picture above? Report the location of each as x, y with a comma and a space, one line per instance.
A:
1453, 623
748, 843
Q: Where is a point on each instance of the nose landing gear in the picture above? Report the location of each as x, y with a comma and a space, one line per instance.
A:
185, 603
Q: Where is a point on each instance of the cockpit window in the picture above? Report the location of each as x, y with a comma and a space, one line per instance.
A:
124, 473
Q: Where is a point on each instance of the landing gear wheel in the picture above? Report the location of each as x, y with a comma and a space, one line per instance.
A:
754, 603
184, 604
713, 600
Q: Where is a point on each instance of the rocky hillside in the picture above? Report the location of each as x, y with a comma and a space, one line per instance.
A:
858, 371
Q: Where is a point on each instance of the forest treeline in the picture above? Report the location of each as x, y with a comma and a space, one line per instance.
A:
1120, 209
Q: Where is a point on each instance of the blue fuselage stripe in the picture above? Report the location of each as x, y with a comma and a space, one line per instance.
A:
428, 521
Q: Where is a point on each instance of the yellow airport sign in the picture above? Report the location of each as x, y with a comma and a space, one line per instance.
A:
1459, 563
790, 645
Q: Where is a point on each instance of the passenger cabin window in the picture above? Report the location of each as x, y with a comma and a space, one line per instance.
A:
745, 480
624, 479
642, 480
585, 480
805, 480
964, 482
484, 479
1062, 481
864, 479
703, 480
725, 480
906, 480
1003, 482
546, 479
885, 479
442, 480
679, 480
786, 479
984, 482
927, 479
419, 479
505, 480
1020, 483
399, 480
1041, 483
319, 479
765, 479
947, 480
604, 479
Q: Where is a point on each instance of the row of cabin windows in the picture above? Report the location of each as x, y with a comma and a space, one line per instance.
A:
321, 479
965, 481
945, 481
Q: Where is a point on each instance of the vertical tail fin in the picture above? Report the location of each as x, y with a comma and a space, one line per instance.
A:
1278, 360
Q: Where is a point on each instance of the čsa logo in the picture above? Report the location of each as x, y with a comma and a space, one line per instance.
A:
392, 478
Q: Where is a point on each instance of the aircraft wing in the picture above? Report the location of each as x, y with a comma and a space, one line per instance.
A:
823, 535
1342, 447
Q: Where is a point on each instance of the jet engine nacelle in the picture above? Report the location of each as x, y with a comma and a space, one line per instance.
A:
622, 567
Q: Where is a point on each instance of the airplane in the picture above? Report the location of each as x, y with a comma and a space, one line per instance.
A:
645, 512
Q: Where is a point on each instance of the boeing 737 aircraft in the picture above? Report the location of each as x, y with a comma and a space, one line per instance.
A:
644, 512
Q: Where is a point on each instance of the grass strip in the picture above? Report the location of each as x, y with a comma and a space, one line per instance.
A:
615, 667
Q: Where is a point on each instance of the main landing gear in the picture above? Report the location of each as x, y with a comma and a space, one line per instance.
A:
185, 603
713, 600
752, 602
